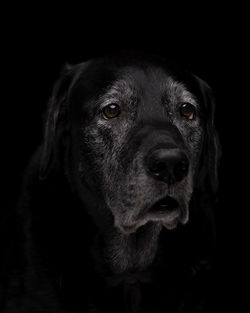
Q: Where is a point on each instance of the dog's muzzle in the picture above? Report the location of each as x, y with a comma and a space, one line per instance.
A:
170, 166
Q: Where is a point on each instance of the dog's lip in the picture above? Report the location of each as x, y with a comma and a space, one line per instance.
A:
171, 225
165, 211
170, 210
169, 221
127, 229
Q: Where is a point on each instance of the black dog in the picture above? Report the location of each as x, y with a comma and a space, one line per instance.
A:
118, 201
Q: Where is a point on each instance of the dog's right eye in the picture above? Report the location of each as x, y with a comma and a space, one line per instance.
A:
111, 110
187, 110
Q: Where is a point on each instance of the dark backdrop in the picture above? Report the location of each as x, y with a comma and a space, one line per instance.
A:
35, 49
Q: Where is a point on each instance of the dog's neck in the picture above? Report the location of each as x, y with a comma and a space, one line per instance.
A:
134, 252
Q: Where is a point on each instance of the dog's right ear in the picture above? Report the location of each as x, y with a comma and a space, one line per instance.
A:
56, 118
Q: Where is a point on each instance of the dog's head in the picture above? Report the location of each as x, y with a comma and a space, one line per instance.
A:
137, 135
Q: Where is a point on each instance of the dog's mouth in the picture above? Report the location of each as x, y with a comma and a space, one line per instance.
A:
166, 211
165, 205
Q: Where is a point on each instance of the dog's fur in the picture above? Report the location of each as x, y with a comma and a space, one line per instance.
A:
85, 208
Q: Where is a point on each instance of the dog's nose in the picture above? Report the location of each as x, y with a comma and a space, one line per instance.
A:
168, 165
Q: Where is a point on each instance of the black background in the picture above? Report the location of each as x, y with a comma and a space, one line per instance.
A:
37, 42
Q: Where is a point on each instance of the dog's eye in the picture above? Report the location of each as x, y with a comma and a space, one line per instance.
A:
187, 110
112, 110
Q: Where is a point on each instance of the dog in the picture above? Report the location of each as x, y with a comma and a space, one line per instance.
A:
117, 207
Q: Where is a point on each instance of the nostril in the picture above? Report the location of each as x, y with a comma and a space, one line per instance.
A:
157, 167
181, 169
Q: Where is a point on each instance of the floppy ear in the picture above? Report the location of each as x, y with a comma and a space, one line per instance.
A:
207, 180
55, 121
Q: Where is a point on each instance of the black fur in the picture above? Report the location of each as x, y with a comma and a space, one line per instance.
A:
86, 183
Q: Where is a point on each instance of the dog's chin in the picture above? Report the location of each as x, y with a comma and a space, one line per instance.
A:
167, 212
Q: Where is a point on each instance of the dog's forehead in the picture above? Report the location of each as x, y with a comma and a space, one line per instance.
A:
151, 81
101, 81
131, 81
143, 78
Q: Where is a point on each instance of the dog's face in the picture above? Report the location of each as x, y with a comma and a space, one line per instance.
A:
141, 139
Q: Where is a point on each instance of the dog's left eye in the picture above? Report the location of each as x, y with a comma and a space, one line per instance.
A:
111, 110
187, 110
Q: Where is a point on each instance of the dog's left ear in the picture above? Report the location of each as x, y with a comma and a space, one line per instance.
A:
207, 180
